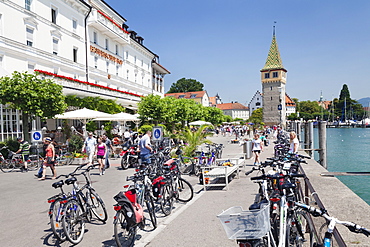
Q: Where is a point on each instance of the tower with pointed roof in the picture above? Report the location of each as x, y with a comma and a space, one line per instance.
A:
273, 78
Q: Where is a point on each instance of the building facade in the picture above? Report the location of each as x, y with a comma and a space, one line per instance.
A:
235, 110
85, 46
255, 103
273, 78
201, 97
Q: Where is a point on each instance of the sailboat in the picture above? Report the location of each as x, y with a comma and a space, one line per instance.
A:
366, 121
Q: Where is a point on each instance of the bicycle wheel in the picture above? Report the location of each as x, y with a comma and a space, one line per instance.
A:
124, 235
55, 213
72, 221
167, 199
124, 164
299, 231
150, 210
33, 165
97, 206
6, 166
184, 190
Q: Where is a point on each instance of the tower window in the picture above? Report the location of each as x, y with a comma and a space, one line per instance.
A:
267, 75
271, 98
54, 13
274, 74
271, 88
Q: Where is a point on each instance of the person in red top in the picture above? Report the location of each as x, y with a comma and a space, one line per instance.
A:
49, 158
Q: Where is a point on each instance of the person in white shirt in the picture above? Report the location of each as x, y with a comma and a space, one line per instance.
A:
257, 148
294, 142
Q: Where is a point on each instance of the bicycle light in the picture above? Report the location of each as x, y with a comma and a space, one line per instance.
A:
117, 208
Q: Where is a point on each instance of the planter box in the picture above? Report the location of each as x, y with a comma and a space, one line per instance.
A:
79, 161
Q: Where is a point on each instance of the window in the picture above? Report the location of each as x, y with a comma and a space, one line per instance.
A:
75, 54
95, 37
117, 70
1, 60
116, 49
258, 104
267, 75
55, 46
96, 62
135, 60
107, 65
193, 96
271, 98
271, 88
258, 98
54, 12
29, 34
126, 55
181, 96
106, 44
31, 68
27, 4
275, 74
74, 25
135, 78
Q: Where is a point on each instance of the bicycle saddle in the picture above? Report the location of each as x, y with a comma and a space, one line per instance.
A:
71, 180
58, 184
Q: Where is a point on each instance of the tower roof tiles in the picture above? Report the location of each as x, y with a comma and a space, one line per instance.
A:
273, 58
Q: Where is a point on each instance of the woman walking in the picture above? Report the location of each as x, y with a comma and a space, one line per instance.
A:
49, 159
101, 150
257, 148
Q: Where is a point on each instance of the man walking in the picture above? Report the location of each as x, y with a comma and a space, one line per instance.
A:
108, 143
89, 147
145, 148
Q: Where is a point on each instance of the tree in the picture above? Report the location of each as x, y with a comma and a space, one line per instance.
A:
35, 97
95, 103
347, 108
256, 118
186, 85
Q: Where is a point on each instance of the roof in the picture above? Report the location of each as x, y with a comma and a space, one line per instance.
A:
289, 101
273, 58
324, 104
187, 95
212, 100
232, 106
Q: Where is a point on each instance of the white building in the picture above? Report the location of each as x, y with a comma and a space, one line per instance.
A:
83, 45
235, 110
255, 103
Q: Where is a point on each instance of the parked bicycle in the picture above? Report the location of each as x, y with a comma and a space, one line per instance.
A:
15, 161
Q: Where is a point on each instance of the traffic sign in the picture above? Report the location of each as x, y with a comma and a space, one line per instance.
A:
157, 133
36, 136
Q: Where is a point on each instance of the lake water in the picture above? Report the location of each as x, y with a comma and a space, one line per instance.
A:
348, 150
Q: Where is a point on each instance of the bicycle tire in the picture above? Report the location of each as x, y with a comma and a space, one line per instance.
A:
55, 214
302, 223
167, 199
98, 206
184, 190
73, 223
151, 211
123, 235
6, 166
33, 165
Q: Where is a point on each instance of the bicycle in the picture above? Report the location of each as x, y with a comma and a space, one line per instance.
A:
326, 241
63, 157
80, 207
186, 164
130, 213
15, 161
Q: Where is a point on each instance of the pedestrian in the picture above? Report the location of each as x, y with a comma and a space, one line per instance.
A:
257, 148
100, 151
49, 159
127, 135
294, 142
109, 145
145, 148
89, 147
24, 150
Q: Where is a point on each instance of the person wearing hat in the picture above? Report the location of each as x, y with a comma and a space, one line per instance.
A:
49, 159
24, 150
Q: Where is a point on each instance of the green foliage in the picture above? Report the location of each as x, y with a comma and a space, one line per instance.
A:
227, 118
186, 85
256, 118
75, 143
33, 96
95, 103
213, 115
344, 93
347, 106
144, 128
293, 116
193, 139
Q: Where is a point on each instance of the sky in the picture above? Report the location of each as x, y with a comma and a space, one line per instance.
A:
224, 44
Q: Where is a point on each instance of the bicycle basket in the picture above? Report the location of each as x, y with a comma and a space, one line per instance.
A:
248, 224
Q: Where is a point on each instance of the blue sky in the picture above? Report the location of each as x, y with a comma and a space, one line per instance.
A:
224, 44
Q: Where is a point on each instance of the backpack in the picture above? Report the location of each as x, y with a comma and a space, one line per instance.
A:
128, 208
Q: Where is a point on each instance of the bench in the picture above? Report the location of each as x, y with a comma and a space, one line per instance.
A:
215, 172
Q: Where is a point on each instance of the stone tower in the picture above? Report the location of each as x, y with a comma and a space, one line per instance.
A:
273, 77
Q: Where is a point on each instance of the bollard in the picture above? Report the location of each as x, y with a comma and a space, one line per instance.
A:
322, 143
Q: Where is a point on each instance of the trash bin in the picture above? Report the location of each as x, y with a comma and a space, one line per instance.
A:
247, 149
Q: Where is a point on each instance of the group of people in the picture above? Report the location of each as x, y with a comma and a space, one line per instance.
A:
100, 148
259, 140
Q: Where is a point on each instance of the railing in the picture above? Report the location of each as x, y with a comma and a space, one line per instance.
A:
309, 192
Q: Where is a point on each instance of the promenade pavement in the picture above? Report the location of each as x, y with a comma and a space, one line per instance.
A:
24, 217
